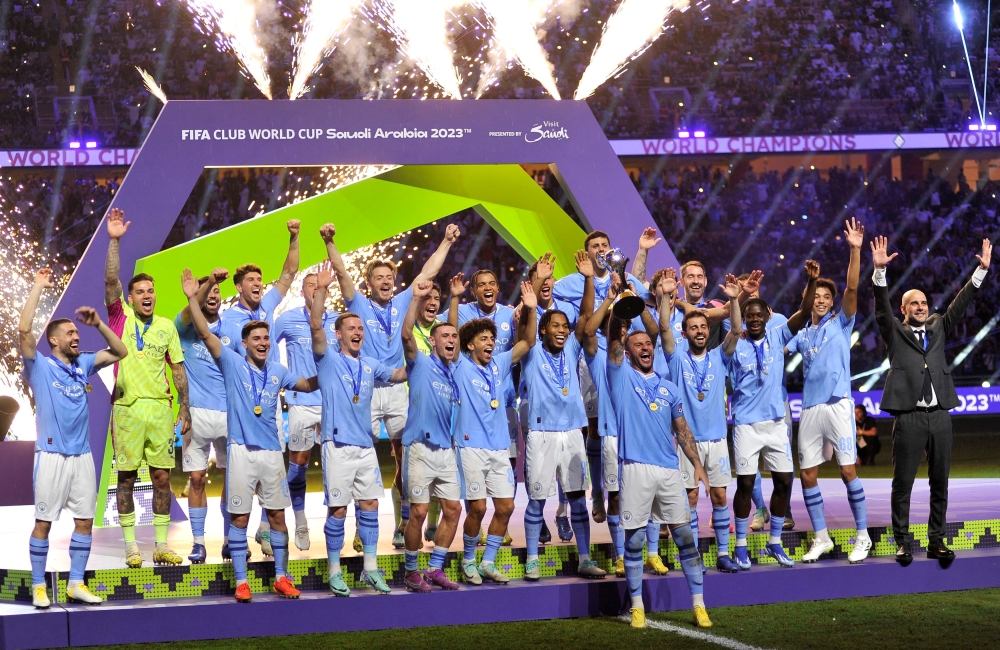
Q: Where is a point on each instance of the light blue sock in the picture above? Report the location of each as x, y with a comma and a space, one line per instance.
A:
652, 538
633, 560
238, 551
694, 523
492, 546
297, 486
856, 496
814, 506
690, 559
438, 556
720, 522
758, 492
469, 546
334, 531
369, 531
411, 561
197, 516
79, 552
279, 542
263, 518
776, 524
39, 551
562, 495
226, 518
533, 520
742, 524
617, 535
580, 521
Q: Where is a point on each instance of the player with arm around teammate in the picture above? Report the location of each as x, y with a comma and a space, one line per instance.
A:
430, 466
650, 415
347, 382
482, 437
64, 475
701, 377
255, 463
827, 407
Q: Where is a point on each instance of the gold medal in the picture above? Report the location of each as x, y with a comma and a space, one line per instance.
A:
355, 399
701, 397
139, 354
257, 410
494, 403
88, 388
654, 407
565, 391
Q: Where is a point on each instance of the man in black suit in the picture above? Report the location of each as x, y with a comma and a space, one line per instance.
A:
919, 392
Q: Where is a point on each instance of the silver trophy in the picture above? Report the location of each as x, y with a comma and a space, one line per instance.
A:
627, 305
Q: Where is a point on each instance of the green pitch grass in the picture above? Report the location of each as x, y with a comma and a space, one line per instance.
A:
965, 620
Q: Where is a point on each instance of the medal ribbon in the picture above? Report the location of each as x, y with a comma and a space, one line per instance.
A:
488, 380
645, 389
425, 334
355, 383
563, 377
699, 377
759, 350
73, 372
254, 315
443, 369
384, 318
814, 336
139, 342
253, 382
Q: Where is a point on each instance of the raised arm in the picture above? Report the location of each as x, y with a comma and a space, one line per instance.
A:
456, 287
434, 263
212, 342
291, 266
421, 290
347, 288
732, 289
685, 440
798, 319
750, 287
116, 349
586, 269
217, 276
25, 337
117, 227
528, 322
855, 236
324, 278
544, 268
647, 240
957, 307
616, 340
883, 310
666, 291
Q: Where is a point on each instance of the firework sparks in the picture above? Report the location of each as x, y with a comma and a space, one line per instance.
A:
326, 20
151, 85
515, 24
233, 24
420, 30
627, 34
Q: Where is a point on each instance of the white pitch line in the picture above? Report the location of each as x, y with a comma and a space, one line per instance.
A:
725, 642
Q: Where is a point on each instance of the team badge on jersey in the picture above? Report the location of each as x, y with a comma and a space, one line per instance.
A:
225, 340
505, 326
536, 487
42, 507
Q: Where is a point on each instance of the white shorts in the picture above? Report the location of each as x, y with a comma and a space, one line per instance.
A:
303, 426
350, 472
769, 438
62, 481
609, 461
825, 430
587, 389
485, 473
208, 428
514, 429
256, 471
714, 456
389, 404
552, 456
430, 471
651, 491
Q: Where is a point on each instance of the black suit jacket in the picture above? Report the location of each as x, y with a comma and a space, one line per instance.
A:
907, 357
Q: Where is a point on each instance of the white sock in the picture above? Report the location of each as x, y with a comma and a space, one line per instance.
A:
73, 584
584, 557
561, 510
824, 535
240, 582
161, 545
861, 534
532, 557
300, 518
774, 539
264, 525
371, 562
199, 539
741, 542
697, 600
637, 603
334, 568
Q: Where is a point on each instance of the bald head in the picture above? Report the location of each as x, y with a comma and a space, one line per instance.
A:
914, 307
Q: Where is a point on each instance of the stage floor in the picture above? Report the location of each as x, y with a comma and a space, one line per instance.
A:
970, 499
